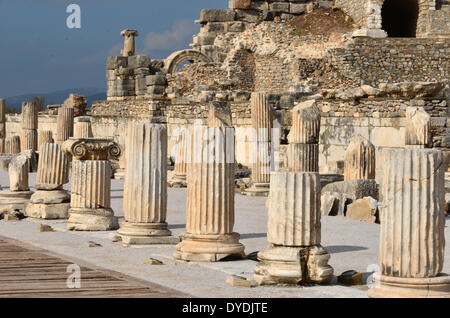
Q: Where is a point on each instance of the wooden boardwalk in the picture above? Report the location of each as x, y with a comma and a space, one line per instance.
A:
26, 271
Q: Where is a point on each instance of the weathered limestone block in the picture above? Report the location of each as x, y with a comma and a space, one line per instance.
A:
53, 168
418, 128
365, 209
294, 231
129, 42
359, 159
354, 189
412, 241
44, 136
210, 204
18, 174
29, 140
90, 206
262, 116
145, 189
12, 145
64, 124
83, 128
54, 211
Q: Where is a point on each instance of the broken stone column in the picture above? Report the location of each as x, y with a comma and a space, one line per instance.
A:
12, 145
29, 137
412, 240
78, 103
45, 136
181, 159
303, 148
294, 232
129, 42
90, 205
64, 124
50, 201
145, 189
19, 191
83, 127
359, 159
418, 128
210, 204
262, 114
121, 140
2, 125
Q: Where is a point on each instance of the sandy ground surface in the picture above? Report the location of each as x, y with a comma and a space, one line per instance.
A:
352, 245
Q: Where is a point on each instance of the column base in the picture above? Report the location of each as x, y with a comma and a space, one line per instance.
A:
14, 200
258, 190
396, 287
293, 265
92, 220
146, 234
209, 248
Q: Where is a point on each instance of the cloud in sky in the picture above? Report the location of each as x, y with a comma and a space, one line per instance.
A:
178, 37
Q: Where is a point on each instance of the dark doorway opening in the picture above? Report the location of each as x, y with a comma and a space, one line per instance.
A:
400, 18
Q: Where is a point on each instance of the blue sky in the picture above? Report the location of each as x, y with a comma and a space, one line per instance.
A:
40, 54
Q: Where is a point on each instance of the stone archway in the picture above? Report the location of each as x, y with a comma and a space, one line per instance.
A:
176, 59
399, 17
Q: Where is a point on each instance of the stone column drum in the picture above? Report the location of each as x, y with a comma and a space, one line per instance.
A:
262, 114
12, 145
210, 204
145, 189
129, 42
90, 205
2, 125
29, 137
50, 201
294, 232
303, 148
19, 191
412, 241
359, 159
64, 124
83, 127
45, 136
418, 128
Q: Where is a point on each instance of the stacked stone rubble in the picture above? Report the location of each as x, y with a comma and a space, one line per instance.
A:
90, 204
65, 123
50, 201
145, 190
412, 240
359, 159
262, 116
210, 205
29, 136
78, 103
2, 125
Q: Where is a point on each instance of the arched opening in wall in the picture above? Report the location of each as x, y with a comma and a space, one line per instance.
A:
400, 18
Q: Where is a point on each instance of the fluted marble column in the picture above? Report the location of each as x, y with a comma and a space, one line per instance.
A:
50, 201
2, 125
145, 189
64, 124
210, 204
294, 229
12, 145
90, 205
262, 116
45, 136
412, 241
29, 138
418, 128
83, 127
359, 159
303, 148
181, 159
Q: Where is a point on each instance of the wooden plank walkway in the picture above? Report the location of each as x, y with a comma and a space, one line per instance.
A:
27, 271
